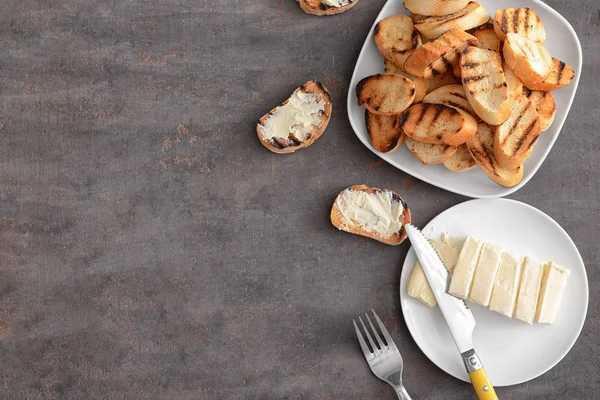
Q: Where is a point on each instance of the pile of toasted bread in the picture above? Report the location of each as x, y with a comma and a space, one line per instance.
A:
462, 88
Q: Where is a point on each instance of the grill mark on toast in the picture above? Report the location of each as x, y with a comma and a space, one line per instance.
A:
439, 109
447, 63
435, 72
561, 68
424, 109
377, 29
295, 141
526, 25
404, 118
524, 136
512, 128
470, 79
276, 142
393, 144
504, 27
471, 64
515, 21
533, 142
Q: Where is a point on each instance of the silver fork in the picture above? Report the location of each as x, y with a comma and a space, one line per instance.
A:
385, 361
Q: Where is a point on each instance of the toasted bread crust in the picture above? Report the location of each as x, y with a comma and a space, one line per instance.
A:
283, 146
522, 21
461, 160
439, 56
435, 7
515, 85
485, 84
451, 96
385, 94
438, 124
560, 76
486, 37
315, 7
430, 154
385, 132
396, 37
528, 59
421, 84
481, 147
544, 104
515, 138
473, 15
338, 220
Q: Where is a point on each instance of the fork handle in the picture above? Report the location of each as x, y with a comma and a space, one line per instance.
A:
401, 392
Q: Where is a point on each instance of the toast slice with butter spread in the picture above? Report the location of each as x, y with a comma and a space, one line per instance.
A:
297, 122
374, 213
326, 7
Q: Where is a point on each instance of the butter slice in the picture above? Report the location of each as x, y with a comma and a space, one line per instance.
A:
485, 274
554, 281
527, 298
462, 277
506, 284
418, 287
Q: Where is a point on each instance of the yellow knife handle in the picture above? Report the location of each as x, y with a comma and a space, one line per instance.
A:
482, 385
479, 379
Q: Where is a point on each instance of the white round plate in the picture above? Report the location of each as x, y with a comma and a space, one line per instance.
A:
512, 352
562, 42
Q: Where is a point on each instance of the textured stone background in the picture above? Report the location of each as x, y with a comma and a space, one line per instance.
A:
151, 248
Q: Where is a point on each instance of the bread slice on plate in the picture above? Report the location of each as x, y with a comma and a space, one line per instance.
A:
485, 84
385, 94
486, 37
442, 80
515, 86
529, 59
452, 96
438, 124
481, 147
522, 21
544, 104
421, 84
515, 138
326, 7
430, 154
560, 75
396, 38
473, 15
435, 7
439, 56
297, 122
461, 160
385, 132
375, 213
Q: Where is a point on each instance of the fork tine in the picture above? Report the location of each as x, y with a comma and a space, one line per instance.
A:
375, 349
386, 335
377, 335
361, 340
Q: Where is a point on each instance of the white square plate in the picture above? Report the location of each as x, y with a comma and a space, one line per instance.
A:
562, 42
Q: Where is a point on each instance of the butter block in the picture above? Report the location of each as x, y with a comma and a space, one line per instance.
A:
506, 285
418, 287
527, 298
462, 277
485, 274
554, 281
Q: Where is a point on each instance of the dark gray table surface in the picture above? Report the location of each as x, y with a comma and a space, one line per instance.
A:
151, 248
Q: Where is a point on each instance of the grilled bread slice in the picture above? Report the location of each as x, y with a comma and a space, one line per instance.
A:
560, 75
474, 14
529, 59
486, 37
522, 21
385, 132
421, 84
430, 154
326, 7
438, 124
461, 160
382, 215
396, 38
297, 122
442, 80
485, 84
437, 57
456, 70
514, 139
481, 147
515, 86
385, 94
435, 7
545, 105
452, 96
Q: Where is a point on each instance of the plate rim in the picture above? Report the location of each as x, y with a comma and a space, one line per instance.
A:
404, 278
501, 191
